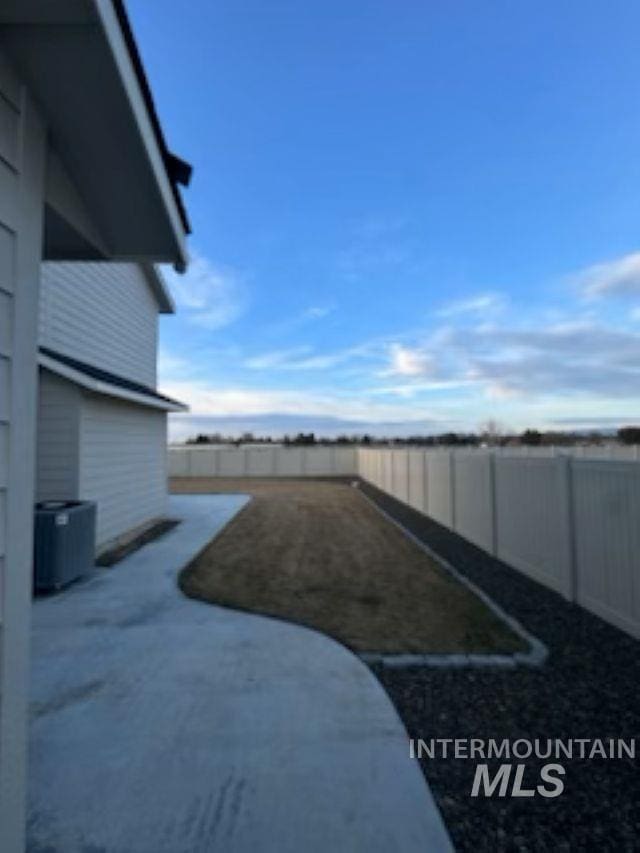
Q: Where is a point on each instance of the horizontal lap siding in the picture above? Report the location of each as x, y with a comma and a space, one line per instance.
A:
10, 119
102, 313
58, 438
22, 158
8, 179
9, 130
122, 464
8, 182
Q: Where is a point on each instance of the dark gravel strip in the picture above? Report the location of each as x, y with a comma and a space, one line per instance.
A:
588, 688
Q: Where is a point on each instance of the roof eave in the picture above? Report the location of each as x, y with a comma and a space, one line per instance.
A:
97, 386
158, 285
118, 34
78, 59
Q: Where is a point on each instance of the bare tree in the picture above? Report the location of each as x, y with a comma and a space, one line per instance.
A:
491, 431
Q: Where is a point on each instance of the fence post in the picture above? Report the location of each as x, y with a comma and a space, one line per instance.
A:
452, 487
566, 463
392, 479
493, 504
409, 478
425, 483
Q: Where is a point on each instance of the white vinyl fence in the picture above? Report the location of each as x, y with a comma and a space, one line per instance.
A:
623, 452
572, 524
263, 461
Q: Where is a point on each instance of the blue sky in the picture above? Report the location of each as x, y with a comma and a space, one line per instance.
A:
407, 216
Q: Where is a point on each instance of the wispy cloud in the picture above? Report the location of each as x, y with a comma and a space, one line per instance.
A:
511, 361
579, 358
206, 399
415, 389
304, 358
172, 366
619, 277
316, 312
208, 295
285, 358
483, 356
407, 361
483, 304
312, 314
574, 368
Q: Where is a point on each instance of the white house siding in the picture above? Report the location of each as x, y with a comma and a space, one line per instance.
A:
22, 157
123, 467
58, 438
101, 313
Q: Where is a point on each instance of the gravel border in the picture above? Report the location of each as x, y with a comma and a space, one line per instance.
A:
587, 688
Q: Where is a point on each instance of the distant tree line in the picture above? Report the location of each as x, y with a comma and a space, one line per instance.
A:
489, 434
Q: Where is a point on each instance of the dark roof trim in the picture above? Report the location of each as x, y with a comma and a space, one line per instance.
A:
178, 170
109, 378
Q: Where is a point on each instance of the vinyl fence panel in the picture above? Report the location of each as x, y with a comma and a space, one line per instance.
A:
378, 469
417, 480
387, 471
178, 463
200, 463
569, 521
366, 464
474, 498
264, 461
319, 461
440, 494
231, 463
382, 469
260, 461
345, 461
607, 540
400, 475
533, 519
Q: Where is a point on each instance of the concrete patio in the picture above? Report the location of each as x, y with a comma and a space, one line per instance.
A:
166, 725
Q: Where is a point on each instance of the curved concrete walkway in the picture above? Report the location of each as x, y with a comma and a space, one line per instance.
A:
164, 725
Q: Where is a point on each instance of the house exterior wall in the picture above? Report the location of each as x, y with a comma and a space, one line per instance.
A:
91, 446
123, 463
58, 447
22, 158
101, 313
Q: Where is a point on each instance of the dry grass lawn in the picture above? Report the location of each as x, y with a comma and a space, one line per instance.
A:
317, 553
